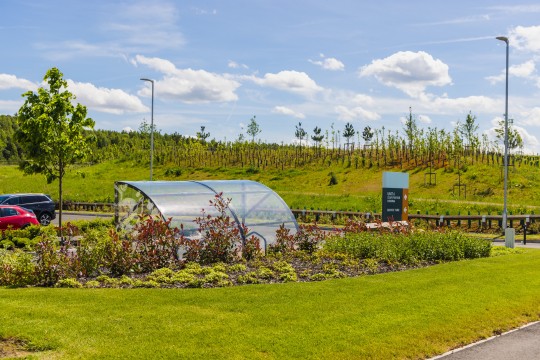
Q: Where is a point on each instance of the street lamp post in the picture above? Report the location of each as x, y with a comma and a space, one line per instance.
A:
151, 129
505, 210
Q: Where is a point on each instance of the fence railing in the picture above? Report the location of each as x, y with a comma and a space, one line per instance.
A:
468, 221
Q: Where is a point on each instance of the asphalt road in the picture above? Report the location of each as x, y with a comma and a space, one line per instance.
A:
68, 216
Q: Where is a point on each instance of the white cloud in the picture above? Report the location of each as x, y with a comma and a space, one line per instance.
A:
531, 117
234, 65
424, 119
132, 27
525, 38
524, 70
8, 81
288, 80
353, 113
410, 72
332, 64
10, 106
287, 111
114, 101
188, 85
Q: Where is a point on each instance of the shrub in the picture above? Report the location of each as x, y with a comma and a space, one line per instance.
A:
119, 256
284, 243
162, 276
220, 238
183, 277
16, 268
409, 248
156, 244
91, 251
53, 262
68, 283
308, 238
248, 278
92, 284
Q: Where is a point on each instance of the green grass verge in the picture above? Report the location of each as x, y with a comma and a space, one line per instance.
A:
308, 186
410, 314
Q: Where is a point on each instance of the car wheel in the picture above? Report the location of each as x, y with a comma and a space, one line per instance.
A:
45, 218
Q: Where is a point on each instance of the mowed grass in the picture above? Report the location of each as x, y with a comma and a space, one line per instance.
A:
410, 314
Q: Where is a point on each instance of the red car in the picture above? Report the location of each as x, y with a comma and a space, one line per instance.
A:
16, 217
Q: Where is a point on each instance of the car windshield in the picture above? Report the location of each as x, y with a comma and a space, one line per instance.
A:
3, 198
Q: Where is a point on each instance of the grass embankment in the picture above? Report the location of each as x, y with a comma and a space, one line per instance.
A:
356, 189
410, 314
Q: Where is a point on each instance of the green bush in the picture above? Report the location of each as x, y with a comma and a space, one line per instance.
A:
91, 251
16, 268
68, 283
402, 248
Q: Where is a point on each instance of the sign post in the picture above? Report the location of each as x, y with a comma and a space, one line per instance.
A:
395, 196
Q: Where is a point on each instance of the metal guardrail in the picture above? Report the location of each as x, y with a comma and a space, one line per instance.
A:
480, 221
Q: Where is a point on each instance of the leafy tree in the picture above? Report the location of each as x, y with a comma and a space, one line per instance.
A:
300, 133
468, 130
253, 128
411, 129
317, 137
514, 138
52, 131
145, 128
201, 135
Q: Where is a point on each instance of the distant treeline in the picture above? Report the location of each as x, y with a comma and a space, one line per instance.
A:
384, 149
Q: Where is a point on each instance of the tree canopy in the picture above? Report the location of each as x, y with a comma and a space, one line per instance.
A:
52, 130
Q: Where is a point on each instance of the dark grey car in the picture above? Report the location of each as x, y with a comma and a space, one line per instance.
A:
41, 204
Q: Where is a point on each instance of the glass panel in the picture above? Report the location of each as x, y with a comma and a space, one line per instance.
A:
252, 203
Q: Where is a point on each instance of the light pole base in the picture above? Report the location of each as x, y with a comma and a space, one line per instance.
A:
509, 237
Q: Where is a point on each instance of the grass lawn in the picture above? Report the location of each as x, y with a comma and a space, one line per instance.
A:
410, 314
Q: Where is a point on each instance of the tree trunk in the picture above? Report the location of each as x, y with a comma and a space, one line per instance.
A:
61, 201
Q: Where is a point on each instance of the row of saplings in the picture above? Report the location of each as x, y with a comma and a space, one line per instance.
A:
103, 257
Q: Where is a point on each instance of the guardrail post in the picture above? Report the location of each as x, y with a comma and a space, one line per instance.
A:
526, 222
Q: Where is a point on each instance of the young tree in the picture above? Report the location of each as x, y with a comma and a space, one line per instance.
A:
53, 131
300, 133
468, 130
348, 132
317, 137
253, 129
201, 135
411, 130
514, 138
367, 134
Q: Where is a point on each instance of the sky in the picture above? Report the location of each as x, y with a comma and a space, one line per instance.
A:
218, 64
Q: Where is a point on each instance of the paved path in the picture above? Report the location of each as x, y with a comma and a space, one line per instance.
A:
522, 344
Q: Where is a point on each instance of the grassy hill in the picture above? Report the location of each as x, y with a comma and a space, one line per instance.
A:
309, 186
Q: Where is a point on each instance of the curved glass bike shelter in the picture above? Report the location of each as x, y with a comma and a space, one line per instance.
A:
252, 204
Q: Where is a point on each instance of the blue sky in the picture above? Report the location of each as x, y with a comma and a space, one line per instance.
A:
323, 63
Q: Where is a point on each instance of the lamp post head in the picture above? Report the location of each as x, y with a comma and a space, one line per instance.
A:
502, 38
145, 79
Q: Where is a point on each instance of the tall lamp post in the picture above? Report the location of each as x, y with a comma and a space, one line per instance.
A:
505, 211
151, 129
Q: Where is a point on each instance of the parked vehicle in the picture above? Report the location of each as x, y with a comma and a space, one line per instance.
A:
16, 217
41, 204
